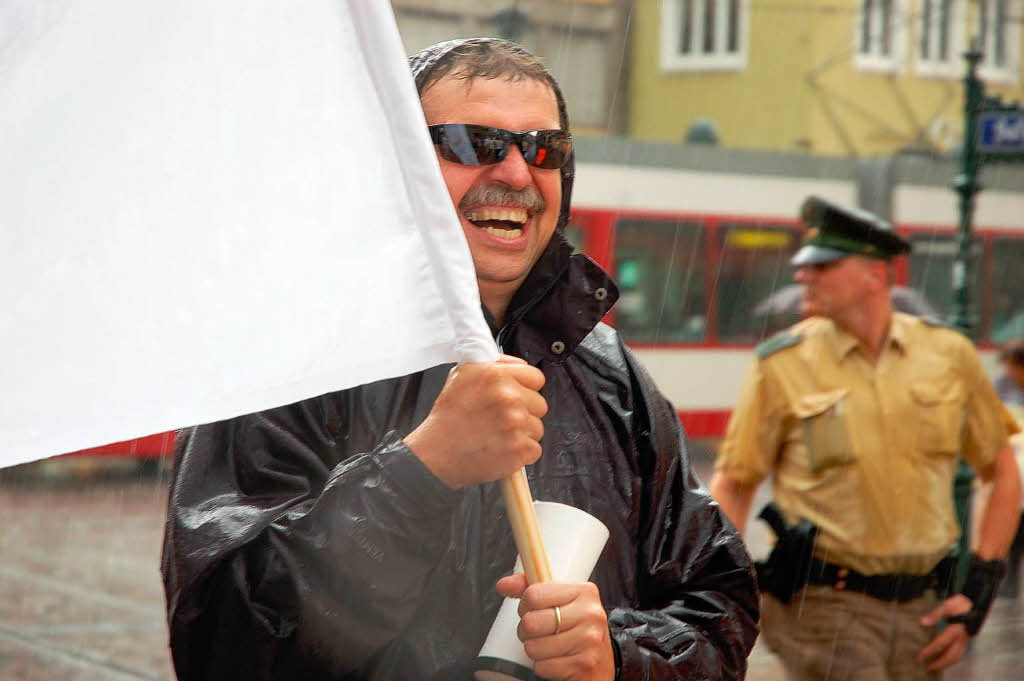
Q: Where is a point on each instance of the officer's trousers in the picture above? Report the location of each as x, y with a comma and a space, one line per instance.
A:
828, 635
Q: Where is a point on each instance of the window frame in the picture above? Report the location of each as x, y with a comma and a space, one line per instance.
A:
1008, 73
671, 335
872, 60
933, 65
717, 60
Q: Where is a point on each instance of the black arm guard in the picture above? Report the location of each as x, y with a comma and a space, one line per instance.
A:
980, 584
787, 567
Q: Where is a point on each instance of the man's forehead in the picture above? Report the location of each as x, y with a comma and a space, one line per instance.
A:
863, 262
442, 92
848, 263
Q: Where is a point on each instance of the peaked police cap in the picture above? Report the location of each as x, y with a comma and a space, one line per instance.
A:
834, 232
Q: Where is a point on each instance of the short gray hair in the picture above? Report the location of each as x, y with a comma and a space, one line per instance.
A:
488, 58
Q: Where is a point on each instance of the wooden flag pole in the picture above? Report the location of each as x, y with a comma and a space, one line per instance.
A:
525, 528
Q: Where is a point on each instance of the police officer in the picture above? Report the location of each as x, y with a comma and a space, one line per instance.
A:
861, 414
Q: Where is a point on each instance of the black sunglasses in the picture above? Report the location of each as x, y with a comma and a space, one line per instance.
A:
480, 145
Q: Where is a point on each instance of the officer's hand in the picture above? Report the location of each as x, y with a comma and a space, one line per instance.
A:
948, 647
582, 648
485, 424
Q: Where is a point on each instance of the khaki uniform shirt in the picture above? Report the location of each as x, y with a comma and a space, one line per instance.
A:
867, 451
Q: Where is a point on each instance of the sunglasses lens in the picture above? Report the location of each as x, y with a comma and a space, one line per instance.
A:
471, 145
547, 149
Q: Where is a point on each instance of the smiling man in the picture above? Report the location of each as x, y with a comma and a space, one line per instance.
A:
360, 535
861, 414
509, 208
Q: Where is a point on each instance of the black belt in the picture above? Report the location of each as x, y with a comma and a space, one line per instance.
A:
886, 587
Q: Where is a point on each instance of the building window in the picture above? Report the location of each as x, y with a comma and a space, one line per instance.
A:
880, 34
935, 24
999, 32
703, 34
940, 38
992, 30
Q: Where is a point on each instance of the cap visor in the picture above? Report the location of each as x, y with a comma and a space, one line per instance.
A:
816, 255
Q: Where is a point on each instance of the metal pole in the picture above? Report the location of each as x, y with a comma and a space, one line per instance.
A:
963, 318
967, 186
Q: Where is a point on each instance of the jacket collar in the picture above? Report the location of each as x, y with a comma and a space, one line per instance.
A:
843, 342
560, 302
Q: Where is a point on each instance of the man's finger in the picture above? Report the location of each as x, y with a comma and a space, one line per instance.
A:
529, 377
933, 617
559, 668
535, 403
552, 646
535, 429
550, 594
512, 586
940, 643
544, 622
510, 359
950, 656
956, 604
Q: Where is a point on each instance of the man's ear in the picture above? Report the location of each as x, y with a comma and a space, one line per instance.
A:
883, 273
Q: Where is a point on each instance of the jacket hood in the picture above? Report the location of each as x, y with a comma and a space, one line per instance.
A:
424, 62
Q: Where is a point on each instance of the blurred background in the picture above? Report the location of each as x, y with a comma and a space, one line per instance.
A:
700, 127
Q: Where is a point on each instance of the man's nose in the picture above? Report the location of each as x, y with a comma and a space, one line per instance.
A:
802, 274
513, 170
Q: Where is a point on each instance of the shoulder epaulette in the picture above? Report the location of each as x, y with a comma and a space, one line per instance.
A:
780, 341
940, 323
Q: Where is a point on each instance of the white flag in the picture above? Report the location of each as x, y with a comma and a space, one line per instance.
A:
212, 208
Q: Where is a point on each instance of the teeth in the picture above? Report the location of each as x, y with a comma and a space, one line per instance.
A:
504, 233
508, 214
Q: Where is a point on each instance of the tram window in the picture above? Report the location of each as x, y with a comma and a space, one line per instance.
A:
574, 235
754, 264
659, 267
1007, 280
931, 271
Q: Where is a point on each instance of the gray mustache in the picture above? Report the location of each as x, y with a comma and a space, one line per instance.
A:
500, 195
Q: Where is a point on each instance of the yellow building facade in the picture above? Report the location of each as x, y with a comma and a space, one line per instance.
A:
833, 77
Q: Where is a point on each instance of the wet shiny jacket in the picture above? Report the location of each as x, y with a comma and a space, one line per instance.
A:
307, 542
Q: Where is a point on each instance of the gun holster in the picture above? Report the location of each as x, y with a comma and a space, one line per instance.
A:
787, 568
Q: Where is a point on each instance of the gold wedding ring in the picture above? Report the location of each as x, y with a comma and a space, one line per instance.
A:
558, 620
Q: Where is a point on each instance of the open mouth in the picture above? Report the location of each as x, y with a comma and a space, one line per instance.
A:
504, 223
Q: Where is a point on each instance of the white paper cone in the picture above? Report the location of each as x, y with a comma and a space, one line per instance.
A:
574, 541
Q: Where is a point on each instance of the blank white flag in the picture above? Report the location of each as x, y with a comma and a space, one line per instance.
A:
212, 208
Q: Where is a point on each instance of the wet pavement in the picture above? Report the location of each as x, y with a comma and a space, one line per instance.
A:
81, 600
80, 593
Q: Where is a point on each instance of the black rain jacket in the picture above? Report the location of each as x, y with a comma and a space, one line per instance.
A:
308, 542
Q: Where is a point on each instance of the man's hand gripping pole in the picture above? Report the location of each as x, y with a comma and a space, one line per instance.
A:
522, 517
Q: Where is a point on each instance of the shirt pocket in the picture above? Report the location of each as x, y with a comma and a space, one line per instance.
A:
940, 416
826, 436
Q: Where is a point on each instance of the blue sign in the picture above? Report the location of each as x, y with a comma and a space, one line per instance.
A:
1001, 132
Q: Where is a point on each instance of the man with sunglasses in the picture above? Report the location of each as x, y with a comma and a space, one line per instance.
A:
860, 414
360, 535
